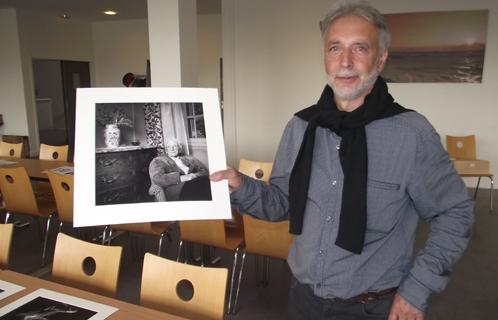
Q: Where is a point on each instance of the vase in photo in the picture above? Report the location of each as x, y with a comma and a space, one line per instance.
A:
112, 135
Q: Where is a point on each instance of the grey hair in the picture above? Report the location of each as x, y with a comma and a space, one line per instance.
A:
176, 142
363, 10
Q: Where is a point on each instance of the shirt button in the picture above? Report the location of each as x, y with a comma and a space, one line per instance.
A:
328, 218
338, 146
320, 252
334, 182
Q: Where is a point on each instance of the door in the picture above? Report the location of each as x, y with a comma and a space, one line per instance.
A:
75, 74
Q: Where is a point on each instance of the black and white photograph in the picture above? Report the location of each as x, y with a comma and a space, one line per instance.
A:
149, 152
49, 305
145, 154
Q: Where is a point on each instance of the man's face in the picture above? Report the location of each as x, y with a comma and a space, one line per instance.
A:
172, 149
352, 57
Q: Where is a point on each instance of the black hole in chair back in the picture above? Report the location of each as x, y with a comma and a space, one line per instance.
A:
65, 186
9, 178
88, 265
55, 155
12, 152
259, 174
185, 290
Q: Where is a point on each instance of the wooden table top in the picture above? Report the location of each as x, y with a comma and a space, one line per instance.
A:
36, 167
126, 311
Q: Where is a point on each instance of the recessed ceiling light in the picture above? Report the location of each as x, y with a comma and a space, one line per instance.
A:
110, 13
65, 16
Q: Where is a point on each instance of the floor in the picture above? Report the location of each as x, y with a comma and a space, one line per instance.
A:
471, 294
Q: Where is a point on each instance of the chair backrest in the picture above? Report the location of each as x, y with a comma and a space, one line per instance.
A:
208, 232
6, 231
182, 289
256, 169
17, 191
461, 148
63, 185
48, 152
86, 266
266, 238
12, 150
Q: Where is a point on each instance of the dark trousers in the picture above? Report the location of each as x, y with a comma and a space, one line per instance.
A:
303, 304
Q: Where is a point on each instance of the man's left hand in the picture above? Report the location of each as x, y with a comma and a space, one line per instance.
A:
402, 310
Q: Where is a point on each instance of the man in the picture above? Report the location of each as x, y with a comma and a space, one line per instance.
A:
178, 177
354, 173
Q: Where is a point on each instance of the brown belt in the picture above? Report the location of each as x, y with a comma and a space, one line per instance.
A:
368, 297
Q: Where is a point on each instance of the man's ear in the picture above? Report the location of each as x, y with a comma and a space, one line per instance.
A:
382, 60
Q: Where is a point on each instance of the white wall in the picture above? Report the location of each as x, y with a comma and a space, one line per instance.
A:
209, 44
273, 56
119, 47
12, 102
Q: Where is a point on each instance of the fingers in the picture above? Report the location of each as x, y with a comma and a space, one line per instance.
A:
402, 310
233, 176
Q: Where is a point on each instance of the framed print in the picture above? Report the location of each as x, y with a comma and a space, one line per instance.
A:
47, 304
7, 289
438, 46
145, 154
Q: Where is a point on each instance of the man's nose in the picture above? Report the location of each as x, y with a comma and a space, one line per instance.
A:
346, 59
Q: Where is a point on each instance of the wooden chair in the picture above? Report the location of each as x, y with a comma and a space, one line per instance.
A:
19, 198
464, 148
6, 231
56, 153
164, 281
12, 150
86, 265
160, 229
213, 233
62, 186
262, 238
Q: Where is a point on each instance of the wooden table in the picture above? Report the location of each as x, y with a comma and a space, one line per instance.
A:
126, 311
36, 168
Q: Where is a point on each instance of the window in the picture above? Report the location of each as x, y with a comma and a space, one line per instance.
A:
195, 121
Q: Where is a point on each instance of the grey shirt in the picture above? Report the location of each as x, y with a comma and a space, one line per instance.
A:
410, 176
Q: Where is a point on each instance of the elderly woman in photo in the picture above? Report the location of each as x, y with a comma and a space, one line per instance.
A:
175, 176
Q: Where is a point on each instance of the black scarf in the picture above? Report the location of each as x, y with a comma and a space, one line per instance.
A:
350, 126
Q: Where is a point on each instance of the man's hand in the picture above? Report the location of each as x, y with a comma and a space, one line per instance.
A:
233, 176
402, 310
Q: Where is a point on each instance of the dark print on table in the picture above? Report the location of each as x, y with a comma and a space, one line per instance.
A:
149, 152
45, 309
145, 154
446, 46
45, 304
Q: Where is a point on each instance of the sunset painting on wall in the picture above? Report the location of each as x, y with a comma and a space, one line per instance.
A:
444, 46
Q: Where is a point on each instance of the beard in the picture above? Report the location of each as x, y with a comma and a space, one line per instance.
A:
361, 89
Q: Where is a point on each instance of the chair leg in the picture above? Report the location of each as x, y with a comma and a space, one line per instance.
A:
477, 187
7, 216
238, 283
266, 271
492, 182
44, 253
232, 281
180, 247
104, 234
161, 243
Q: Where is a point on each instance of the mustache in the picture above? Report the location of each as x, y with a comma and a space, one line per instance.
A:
344, 73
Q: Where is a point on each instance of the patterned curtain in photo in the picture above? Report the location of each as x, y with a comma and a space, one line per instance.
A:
153, 126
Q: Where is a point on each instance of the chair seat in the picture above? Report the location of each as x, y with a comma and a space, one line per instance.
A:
152, 228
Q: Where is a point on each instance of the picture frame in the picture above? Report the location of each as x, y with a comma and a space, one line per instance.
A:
115, 181
45, 303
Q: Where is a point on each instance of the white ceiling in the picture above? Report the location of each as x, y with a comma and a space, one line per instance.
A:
91, 10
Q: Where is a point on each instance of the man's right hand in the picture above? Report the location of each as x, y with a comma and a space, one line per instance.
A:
233, 176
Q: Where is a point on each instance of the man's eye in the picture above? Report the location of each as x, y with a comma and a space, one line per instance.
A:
361, 49
334, 49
